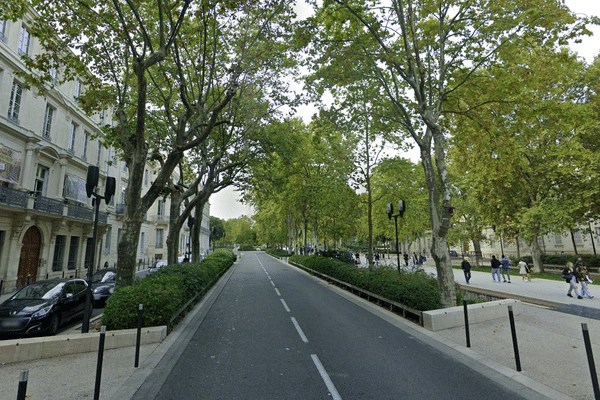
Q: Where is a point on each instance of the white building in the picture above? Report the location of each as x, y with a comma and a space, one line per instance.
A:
46, 146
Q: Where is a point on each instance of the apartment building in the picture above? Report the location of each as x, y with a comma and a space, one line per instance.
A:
46, 146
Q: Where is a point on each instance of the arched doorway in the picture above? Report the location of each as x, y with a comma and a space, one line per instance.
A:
30, 256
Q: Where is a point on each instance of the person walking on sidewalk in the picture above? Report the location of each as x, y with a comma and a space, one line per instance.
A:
584, 276
570, 276
466, 267
524, 271
495, 268
505, 268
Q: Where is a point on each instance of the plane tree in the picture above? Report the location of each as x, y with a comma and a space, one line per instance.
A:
123, 51
415, 51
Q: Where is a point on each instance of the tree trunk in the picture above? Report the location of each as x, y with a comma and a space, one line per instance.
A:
536, 254
573, 241
478, 256
440, 202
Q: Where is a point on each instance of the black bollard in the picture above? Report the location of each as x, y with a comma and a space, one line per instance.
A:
99, 365
1, 282
590, 357
514, 337
467, 323
22, 393
139, 336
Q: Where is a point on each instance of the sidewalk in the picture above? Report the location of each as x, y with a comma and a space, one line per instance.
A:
551, 347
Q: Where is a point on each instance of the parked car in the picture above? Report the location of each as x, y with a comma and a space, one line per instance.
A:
103, 285
453, 253
158, 265
43, 306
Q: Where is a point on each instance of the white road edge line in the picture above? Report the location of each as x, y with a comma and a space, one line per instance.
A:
285, 305
277, 291
302, 335
330, 386
272, 283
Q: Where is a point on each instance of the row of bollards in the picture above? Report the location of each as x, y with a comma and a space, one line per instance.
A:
24, 376
586, 339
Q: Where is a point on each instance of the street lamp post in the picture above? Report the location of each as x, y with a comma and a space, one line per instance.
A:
390, 212
93, 175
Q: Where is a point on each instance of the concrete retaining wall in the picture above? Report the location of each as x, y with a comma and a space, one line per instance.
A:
16, 350
452, 317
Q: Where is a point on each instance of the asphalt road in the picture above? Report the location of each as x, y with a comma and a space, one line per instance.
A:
277, 333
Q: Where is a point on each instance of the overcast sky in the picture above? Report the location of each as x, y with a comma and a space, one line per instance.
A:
226, 204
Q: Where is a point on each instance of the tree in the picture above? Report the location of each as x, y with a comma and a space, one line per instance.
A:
527, 160
421, 53
125, 52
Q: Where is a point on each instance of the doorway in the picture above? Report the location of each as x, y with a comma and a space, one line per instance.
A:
30, 257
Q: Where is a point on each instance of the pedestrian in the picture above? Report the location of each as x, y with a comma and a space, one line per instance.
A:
466, 267
505, 268
357, 255
495, 269
585, 278
414, 261
524, 271
405, 259
569, 275
377, 259
420, 262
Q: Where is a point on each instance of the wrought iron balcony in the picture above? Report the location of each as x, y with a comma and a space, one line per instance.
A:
48, 205
13, 197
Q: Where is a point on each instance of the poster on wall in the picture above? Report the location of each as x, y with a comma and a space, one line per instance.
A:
74, 189
10, 165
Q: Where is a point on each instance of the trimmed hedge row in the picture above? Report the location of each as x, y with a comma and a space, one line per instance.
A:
164, 292
277, 252
415, 290
562, 259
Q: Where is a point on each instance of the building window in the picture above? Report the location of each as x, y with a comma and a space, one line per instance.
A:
146, 177
86, 137
47, 122
77, 91
88, 253
159, 238
41, 180
59, 253
73, 250
54, 74
2, 30
24, 41
2, 236
102, 113
161, 207
107, 244
99, 154
558, 239
72, 134
118, 235
142, 239
578, 238
14, 103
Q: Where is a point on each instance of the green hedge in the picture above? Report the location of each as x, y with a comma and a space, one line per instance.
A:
247, 247
164, 292
415, 290
277, 253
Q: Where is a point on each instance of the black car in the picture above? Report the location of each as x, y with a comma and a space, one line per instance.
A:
103, 284
43, 306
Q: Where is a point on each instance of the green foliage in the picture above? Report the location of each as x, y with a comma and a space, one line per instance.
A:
247, 247
277, 253
164, 292
413, 290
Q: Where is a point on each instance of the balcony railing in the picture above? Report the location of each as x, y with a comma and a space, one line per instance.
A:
120, 209
47, 205
13, 197
79, 212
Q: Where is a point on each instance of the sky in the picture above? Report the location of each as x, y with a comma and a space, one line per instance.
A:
226, 204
